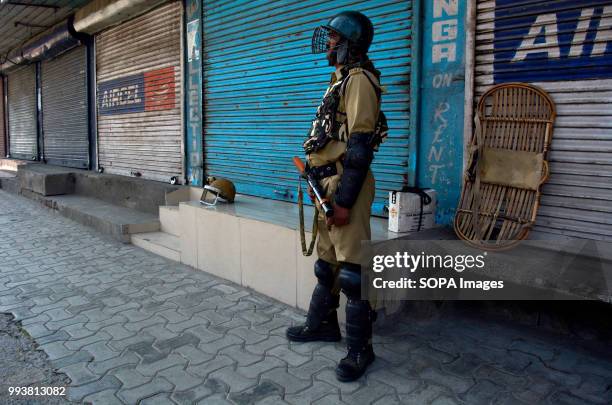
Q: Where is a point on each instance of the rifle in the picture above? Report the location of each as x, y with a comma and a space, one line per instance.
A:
315, 186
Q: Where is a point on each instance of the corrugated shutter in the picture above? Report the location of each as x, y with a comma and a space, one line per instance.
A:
139, 96
64, 109
22, 113
571, 37
2, 130
575, 66
262, 87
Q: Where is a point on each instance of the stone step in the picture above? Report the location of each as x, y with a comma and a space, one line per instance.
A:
161, 243
169, 218
47, 180
9, 181
118, 222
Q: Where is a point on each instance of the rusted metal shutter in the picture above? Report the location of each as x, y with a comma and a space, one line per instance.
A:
23, 141
64, 109
138, 74
262, 86
2, 120
565, 48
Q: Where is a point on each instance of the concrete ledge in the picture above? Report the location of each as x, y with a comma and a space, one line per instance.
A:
255, 243
9, 182
46, 180
128, 192
118, 222
11, 165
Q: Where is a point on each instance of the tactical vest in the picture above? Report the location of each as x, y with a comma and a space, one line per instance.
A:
326, 126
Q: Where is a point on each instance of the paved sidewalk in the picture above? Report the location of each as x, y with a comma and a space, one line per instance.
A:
128, 326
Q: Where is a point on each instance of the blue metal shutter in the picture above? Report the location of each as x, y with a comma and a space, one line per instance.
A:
23, 136
262, 86
64, 109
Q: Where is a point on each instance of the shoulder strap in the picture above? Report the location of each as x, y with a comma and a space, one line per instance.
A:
367, 74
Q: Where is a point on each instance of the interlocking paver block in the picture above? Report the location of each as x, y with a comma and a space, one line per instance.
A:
106, 397
102, 367
329, 376
118, 332
483, 392
57, 336
368, 394
204, 334
100, 351
56, 350
108, 382
240, 355
181, 379
292, 358
255, 369
248, 335
193, 355
177, 342
290, 383
454, 383
167, 362
402, 384
424, 394
311, 394
156, 386
129, 377
307, 370
257, 394
204, 369
232, 379
216, 345
132, 341
99, 336
79, 373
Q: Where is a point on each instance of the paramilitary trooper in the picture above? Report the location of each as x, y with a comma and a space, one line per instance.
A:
339, 149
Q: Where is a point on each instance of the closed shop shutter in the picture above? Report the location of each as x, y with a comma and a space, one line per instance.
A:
64, 109
22, 113
2, 130
563, 47
138, 95
262, 87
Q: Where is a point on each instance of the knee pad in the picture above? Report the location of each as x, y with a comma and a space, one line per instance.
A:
324, 272
350, 280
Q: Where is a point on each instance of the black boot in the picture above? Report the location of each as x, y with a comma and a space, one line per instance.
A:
327, 331
322, 319
359, 319
355, 364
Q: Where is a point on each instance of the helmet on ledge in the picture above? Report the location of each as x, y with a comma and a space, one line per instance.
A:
218, 189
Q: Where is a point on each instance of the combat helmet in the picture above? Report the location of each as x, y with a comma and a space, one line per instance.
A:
218, 189
355, 31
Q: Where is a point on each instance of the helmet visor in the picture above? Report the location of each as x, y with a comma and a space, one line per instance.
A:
322, 39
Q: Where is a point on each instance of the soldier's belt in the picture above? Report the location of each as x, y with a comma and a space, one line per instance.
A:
321, 172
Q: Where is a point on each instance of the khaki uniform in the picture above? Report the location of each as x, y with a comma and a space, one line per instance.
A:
358, 111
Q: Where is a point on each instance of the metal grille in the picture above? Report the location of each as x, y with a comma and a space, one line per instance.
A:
577, 200
22, 113
262, 87
139, 96
64, 109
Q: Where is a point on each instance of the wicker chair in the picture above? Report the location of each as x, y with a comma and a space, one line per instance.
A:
507, 166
